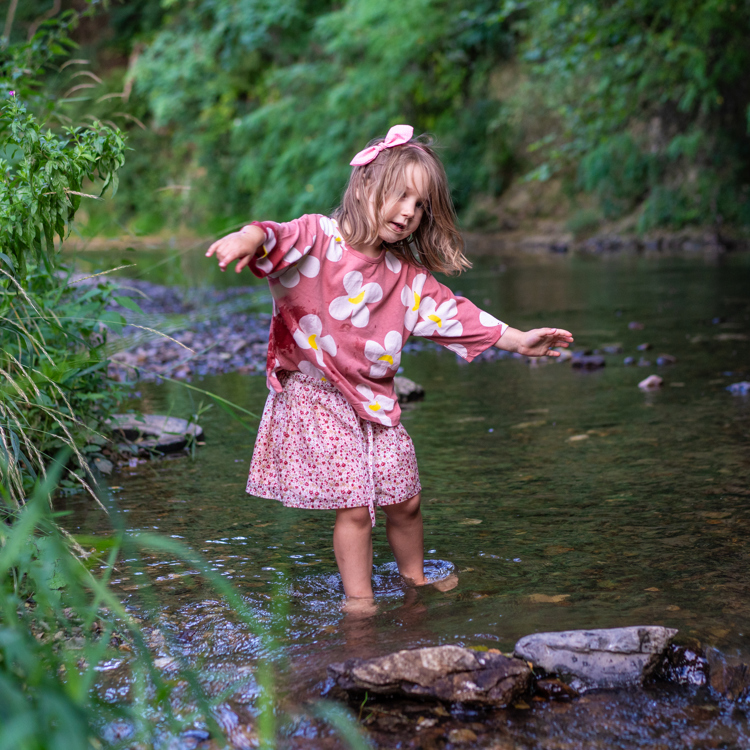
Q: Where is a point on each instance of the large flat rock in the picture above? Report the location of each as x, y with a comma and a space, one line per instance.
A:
450, 673
155, 432
615, 657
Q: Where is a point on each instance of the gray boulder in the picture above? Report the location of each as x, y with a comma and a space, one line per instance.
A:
450, 673
616, 657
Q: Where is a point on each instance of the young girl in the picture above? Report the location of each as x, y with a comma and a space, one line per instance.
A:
348, 291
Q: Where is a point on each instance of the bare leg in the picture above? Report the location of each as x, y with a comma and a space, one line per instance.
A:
352, 545
403, 528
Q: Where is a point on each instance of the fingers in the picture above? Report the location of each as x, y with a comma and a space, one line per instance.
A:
211, 250
243, 263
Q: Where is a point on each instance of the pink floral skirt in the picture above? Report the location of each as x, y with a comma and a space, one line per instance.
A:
313, 451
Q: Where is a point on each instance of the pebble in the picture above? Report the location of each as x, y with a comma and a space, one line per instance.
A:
643, 347
634, 325
651, 383
739, 389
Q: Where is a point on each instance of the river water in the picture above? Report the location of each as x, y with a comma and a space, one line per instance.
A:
561, 498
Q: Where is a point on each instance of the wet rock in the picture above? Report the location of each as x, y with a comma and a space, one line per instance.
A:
407, 390
154, 432
582, 361
683, 665
739, 389
450, 673
628, 361
651, 383
550, 688
634, 325
728, 675
612, 348
643, 362
461, 736
643, 347
665, 359
616, 657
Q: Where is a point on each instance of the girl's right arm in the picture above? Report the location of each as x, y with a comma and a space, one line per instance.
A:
240, 246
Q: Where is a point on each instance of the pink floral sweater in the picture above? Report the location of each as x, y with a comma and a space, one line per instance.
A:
344, 317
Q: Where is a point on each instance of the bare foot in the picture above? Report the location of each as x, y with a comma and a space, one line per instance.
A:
361, 607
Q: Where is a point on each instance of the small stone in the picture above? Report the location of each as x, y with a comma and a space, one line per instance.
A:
643, 347
461, 736
553, 689
643, 362
628, 361
612, 348
651, 383
739, 389
614, 657
634, 325
665, 359
577, 438
407, 390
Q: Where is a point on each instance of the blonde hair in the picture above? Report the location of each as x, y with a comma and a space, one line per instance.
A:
436, 244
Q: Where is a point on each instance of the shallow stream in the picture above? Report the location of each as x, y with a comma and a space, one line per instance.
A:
562, 499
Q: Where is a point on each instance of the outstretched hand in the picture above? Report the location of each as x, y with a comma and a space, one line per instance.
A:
239, 246
539, 342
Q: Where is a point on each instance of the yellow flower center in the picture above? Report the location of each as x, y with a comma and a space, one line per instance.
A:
338, 239
375, 407
435, 319
265, 252
386, 358
312, 342
417, 300
356, 300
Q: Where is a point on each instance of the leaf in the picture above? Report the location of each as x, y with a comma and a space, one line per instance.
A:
129, 303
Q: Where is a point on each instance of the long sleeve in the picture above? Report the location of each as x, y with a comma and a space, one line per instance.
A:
285, 246
456, 323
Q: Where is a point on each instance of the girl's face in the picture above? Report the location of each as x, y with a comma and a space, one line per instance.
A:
404, 209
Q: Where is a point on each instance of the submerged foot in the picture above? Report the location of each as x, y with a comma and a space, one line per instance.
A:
359, 606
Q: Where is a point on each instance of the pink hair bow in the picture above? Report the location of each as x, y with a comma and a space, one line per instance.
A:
397, 135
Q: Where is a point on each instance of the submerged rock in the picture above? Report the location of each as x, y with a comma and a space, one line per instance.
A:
683, 665
615, 657
407, 390
665, 359
728, 675
587, 361
153, 432
450, 673
739, 389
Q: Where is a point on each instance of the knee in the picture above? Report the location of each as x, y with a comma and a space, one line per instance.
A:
404, 512
356, 518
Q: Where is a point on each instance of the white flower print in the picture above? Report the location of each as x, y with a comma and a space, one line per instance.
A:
438, 319
459, 349
376, 405
487, 320
411, 296
307, 336
392, 262
309, 369
335, 246
385, 358
355, 302
264, 263
308, 266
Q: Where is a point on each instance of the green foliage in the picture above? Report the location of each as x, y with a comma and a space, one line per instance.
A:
43, 178
650, 94
267, 102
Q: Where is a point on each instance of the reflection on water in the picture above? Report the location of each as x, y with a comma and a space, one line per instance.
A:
642, 518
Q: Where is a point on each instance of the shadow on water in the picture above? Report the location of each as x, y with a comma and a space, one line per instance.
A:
562, 498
